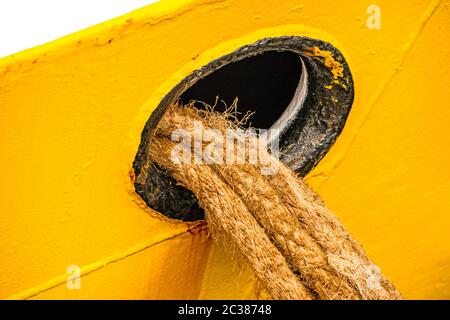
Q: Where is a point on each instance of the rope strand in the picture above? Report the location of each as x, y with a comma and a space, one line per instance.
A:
294, 244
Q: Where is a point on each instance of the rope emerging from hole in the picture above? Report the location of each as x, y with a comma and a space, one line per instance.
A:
294, 244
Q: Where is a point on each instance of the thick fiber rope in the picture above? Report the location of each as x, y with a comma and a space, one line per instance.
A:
294, 244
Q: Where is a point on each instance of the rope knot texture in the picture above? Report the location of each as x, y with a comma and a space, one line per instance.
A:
295, 246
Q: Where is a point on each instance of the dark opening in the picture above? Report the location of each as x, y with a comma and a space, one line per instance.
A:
264, 83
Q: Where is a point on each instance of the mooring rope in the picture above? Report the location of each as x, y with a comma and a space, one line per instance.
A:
295, 246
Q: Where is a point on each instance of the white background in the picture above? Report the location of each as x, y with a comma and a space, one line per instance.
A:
27, 23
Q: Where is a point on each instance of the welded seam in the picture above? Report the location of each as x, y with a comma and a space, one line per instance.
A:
93, 267
404, 53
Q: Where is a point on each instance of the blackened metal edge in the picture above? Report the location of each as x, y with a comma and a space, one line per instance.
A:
302, 145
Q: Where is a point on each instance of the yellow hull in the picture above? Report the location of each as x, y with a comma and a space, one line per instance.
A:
72, 112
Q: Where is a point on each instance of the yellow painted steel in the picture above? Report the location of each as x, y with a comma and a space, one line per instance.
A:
71, 113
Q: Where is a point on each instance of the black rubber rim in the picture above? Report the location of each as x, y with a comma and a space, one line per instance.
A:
303, 144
